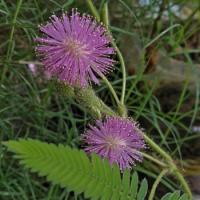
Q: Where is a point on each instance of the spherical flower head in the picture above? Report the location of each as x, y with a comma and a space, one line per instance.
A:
117, 139
75, 49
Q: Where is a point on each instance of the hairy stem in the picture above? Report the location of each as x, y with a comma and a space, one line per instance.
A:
121, 60
88, 99
155, 185
155, 160
121, 109
105, 19
110, 87
173, 168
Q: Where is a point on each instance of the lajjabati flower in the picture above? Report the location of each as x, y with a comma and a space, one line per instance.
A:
74, 48
118, 139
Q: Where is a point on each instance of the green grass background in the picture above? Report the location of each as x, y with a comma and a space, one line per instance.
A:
32, 107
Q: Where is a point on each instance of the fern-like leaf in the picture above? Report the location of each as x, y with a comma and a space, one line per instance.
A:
143, 190
71, 168
175, 196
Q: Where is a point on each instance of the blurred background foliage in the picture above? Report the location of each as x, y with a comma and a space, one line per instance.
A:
160, 41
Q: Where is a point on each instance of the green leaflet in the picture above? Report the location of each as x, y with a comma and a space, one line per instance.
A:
175, 196
71, 168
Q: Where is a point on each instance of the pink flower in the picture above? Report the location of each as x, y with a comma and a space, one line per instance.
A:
117, 139
75, 49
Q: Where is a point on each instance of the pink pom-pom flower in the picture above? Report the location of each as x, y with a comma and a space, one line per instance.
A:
117, 139
75, 49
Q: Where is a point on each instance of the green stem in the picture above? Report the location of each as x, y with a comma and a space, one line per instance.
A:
105, 15
171, 165
121, 60
93, 9
105, 18
155, 185
121, 109
155, 160
88, 99
106, 110
157, 148
182, 180
110, 87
